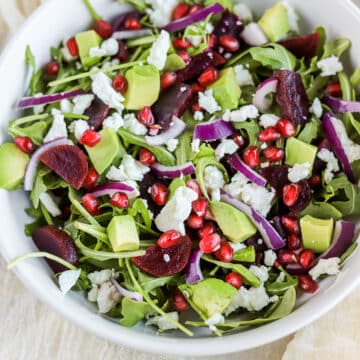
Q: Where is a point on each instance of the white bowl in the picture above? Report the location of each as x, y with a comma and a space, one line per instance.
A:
48, 26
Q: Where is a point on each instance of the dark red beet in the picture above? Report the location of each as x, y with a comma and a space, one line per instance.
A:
173, 101
123, 53
119, 22
69, 162
303, 46
291, 97
304, 197
97, 113
320, 165
277, 177
148, 180
254, 241
57, 242
229, 24
153, 261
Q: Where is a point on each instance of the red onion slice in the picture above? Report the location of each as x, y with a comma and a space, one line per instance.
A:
265, 88
112, 188
253, 35
133, 295
341, 106
213, 130
172, 172
193, 271
131, 34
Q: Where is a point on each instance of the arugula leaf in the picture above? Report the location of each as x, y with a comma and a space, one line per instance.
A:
139, 208
279, 287
311, 131
205, 150
355, 78
150, 283
251, 129
39, 186
322, 210
183, 152
336, 47
174, 185
36, 132
322, 41
133, 311
38, 221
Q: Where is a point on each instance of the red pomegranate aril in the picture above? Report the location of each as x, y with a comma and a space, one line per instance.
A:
196, 107
293, 242
179, 302
195, 8
315, 181
269, 134
207, 229
197, 88
334, 89
200, 207
210, 243
145, 116
91, 204
286, 128
131, 23
290, 224
168, 79
181, 44
103, 28
25, 144
120, 84
273, 153
90, 138
239, 140
307, 284
209, 216
146, 157
291, 193
184, 56
306, 258
286, 257
234, 279
212, 41
180, 11
119, 200
91, 179
169, 238
225, 253
193, 185
195, 221
208, 77
251, 156
229, 43
52, 68
123, 53
159, 193
72, 47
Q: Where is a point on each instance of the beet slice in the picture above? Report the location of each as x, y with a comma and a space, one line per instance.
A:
291, 97
97, 113
148, 180
229, 24
277, 177
153, 261
69, 162
305, 46
172, 102
57, 242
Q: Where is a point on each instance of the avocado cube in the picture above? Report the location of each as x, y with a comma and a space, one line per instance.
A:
174, 63
85, 41
123, 234
298, 152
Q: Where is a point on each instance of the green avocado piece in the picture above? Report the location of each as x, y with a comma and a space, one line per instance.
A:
210, 296
227, 92
144, 87
234, 224
227, 4
123, 234
298, 152
174, 63
103, 154
12, 166
316, 233
275, 22
85, 41
247, 254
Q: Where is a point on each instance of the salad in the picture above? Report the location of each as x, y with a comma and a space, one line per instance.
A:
189, 165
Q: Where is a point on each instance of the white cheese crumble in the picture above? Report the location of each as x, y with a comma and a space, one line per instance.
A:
109, 47
243, 75
237, 246
114, 121
198, 116
107, 297
330, 66
195, 40
78, 127
208, 102
299, 172
269, 257
162, 322
261, 272
195, 145
227, 115
50, 205
243, 12
227, 146
58, 127
244, 113
172, 144
293, 18
159, 50
325, 267
100, 277
316, 108
267, 120
81, 103
213, 181
68, 279
332, 164
66, 106
216, 319
160, 13
132, 124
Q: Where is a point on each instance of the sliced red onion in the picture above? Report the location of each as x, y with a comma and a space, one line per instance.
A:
112, 188
200, 15
31, 168
175, 129
131, 34
133, 295
271, 237
253, 35
265, 88
28, 102
213, 130
173, 172
341, 106
193, 271
236, 163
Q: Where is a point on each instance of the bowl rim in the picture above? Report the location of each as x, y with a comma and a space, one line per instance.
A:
185, 346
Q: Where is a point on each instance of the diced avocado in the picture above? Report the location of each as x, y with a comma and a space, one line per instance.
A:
227, 4
210, 296
85, 41
103, 154
275, 22
227, 92
234, 224
174, 63
316, 233
247, 254
144, 87
12, 166
298, 152
123, 234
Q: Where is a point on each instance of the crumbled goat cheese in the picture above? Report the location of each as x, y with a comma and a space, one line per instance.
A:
208, 102
316, 108
263, 146
81, 103
293, 18
68, 279
114, 121
66, 106
243, 12
159, 50
162, 322
227, 115
93, 294
254, 34
109, 47
58, 127
50, 204
198, 115
78, 127
267, 120
269, 257
195, 40
160, 13
262, 272
216, 319
244, 113
325, 267
100, 277
172, 144
176, 210
107, 297
213, 181
237, 246
132, 124
227, 146
243, 76
299, 172
332, 164
330, 66
195, 145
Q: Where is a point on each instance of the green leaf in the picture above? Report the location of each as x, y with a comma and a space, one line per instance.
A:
133, 311
92, 11
322, 41
174, 185
355, 78
322, 210
150, 283
137, 209
279, 287
205, 150
36, 131
348, 252
336, 47
39, 187
311, 131
247, 254
38, 222
183, 152
251, 129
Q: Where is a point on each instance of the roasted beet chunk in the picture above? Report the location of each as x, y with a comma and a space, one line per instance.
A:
277, 177
57, 242
305, 46
97, 112
291, 97
148, 180
165, 262
304, 197
229, 24
172, 102
69, 162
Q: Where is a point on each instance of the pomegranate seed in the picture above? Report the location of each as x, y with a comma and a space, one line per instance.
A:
294, 242
229, 43
209, 76
123, 54
120, 84
91, 179
210, 243
159, 193
269, 134
196, 107
197, 88
145, 116
169, 238
209, 216
306, 258
315, 181
178, 301
180, 11
90, 138
200, 207
119, 200
91, 204
286, 128
103, 28
207, 229
307, 284
234, 279
239, 140
252, 156
146, 157
72, 47
225, 253
184, 56
334, 89
52, 68
291, 194
195, 221
273, 153
212, 41
195, 8
193, 185
168, 79
290, 224
24, 144
286, 257
132, 23
181, 44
